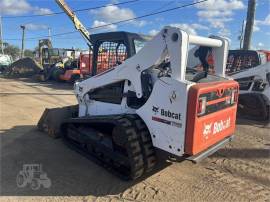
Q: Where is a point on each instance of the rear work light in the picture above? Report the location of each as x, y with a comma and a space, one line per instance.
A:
201, 106
233, 96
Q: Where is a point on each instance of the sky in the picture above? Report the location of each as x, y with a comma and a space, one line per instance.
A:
218, 17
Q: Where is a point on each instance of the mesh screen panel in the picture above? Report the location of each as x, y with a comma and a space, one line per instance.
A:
110, 54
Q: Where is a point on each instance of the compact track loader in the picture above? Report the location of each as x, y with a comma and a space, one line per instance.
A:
254, 94
152, 100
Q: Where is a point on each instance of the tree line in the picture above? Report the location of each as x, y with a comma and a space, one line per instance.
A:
14, 51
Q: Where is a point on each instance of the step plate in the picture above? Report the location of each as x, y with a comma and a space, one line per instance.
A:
199, 157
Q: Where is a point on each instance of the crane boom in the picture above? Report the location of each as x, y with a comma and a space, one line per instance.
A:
77, 23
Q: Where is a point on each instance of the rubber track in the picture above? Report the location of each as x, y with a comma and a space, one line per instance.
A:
132, 134
254, 108
145, 140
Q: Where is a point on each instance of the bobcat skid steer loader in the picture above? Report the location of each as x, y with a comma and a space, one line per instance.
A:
150, 101
254, 94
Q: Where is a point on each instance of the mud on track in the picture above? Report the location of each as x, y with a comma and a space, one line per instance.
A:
239, 172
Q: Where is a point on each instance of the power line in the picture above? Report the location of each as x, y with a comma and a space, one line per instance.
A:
147, 15
126, 20
30, 39
73, 38
163, 6
156, 11
62, 12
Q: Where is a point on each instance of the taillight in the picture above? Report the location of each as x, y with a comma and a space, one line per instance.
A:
201, 106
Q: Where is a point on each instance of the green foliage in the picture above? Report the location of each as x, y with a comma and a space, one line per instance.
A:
15, 51
28, 53
5, 44
12, 50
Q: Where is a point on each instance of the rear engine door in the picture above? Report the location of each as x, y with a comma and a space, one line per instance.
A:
211, 114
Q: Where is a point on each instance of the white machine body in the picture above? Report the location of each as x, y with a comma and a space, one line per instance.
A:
258, 81
165, 111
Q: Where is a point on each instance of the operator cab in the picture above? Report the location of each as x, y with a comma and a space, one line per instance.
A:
112, 48
241, 60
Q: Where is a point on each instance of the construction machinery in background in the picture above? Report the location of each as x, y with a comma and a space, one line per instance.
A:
73, 74
5, 62
63, 62
87, 63
267, 53
242, 60
101, 64
29, 67
57, 62
254, 99
43, 54
69, 71
238, 60
150, 101
250, 69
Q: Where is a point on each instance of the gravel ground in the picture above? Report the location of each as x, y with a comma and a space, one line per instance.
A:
238, 172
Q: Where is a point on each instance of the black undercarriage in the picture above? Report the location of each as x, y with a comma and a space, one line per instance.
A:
253, 106
119, 143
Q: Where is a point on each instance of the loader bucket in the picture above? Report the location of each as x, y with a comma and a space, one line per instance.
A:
51, 119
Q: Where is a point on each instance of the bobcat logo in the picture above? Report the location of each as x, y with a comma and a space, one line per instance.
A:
207, 130
218, 127
155, 109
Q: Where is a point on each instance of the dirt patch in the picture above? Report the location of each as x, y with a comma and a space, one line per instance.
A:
25, 67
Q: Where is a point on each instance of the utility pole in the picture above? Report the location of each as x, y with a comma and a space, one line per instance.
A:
49, 33
1, 36
249, 24
22, 51
241, 37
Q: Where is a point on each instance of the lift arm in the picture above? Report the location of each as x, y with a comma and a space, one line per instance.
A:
77, 23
